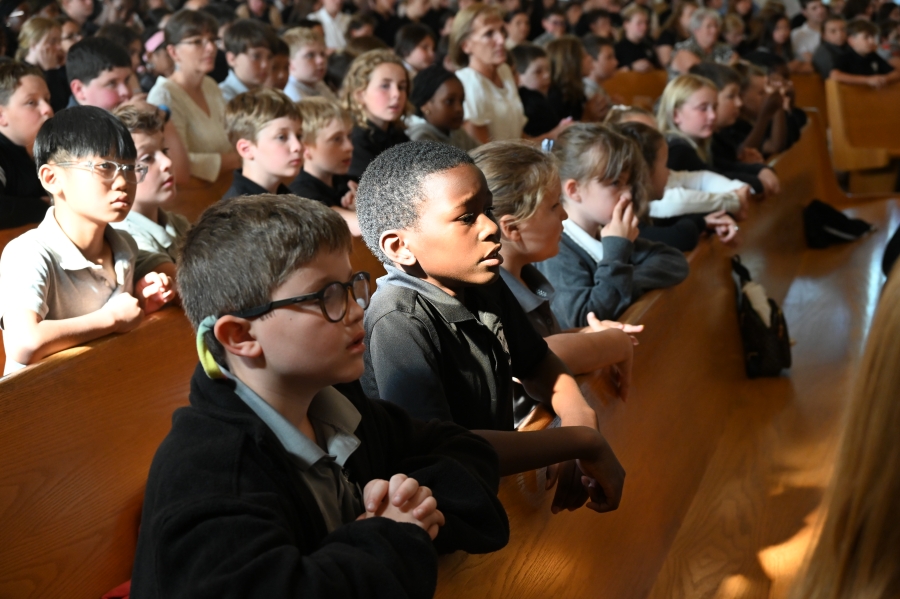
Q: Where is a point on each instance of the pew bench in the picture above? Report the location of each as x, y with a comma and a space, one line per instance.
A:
637, 89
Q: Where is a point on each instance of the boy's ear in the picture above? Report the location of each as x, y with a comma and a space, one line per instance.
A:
307, 155
245, 149
236, 337
50, 180
570, 190
3, 121
509, 228
77, 88
230, 59
393, 245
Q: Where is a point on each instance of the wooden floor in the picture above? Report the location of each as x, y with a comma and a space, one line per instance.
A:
755, 511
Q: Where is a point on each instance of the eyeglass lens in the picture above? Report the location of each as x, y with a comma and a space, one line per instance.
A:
335, 297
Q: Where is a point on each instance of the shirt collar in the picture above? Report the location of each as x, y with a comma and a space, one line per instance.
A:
234, 83
328, 407
160, 232
70, 257
528, 299
450, 308
591, 245
245, 186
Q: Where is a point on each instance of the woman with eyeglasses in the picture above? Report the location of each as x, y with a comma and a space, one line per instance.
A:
193, 99
40, 45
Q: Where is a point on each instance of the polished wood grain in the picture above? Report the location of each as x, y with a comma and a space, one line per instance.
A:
869, 116
640, 89
809, 92
847, 155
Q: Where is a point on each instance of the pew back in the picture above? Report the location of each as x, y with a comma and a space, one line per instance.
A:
640, 89
847, 155
869, 117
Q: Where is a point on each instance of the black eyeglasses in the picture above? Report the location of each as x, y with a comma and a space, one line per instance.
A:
332, 299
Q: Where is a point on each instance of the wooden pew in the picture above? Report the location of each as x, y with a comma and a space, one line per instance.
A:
77, 433
854, 149
810, 92
640, 89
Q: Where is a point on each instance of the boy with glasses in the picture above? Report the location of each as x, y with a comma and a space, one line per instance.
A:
75, 278
281, 479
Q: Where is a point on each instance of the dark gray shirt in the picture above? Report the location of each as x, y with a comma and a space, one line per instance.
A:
456, 359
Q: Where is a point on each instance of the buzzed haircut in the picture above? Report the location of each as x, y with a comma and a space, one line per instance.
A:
390, 190
248, 113
243, 248
593, 44
247, 34
11, 73
81, 132
525, 54
92, 56
857, 26
317, 113
719, 74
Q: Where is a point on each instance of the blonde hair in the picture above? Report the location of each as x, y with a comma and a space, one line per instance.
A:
674, 96
463, 24
33, 31
518, 174
357, 79
248, 113
591, 151
565, 54
632, 10
317, 113
137, 120
299, 37
858, 551
619, 113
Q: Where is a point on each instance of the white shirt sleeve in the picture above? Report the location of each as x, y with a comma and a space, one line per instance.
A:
703, 181
26, 273
679, 200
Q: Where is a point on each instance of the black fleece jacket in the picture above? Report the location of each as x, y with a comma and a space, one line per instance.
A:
226, 513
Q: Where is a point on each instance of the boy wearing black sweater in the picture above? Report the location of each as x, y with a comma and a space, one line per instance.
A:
24, 106
861, 64
281, 479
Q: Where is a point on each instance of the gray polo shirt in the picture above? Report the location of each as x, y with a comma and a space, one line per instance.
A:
438, 357
154, 237
334, 419
43, 271
534, 297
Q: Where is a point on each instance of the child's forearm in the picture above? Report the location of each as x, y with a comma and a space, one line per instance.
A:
554, 385
530, 450
778, 138
757, 134
842, 77
28, 339
586, 352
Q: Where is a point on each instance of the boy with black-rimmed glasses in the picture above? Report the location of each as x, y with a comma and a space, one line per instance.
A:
75, 278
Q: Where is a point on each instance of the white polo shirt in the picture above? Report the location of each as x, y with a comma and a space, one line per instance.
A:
333, 27
43, 271
159, 238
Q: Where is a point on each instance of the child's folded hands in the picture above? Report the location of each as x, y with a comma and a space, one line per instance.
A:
154, 291
126, 312
402, 500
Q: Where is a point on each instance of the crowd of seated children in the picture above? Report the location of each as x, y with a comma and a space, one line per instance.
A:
308, 63
327, 152
375, 93
634, 52
860, 64
689, 192
524, 183
444, 334
602, 266
75, 278
267, 132
415, 46
24, 107
248, 50
438, 97
193, 98
687, 117
152, 228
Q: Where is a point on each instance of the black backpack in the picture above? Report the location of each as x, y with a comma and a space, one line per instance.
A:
767, 350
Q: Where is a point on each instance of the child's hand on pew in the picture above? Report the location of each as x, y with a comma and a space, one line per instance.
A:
126, 312
595, 325
750, 156
402, 500
154, 291
723, 225
770, 182
744, 194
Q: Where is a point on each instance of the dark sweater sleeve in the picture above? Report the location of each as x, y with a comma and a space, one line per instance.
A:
683, 157
402, 366
682, 232
656, 266
364, 152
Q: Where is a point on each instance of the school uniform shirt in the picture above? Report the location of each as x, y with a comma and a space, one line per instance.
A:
418, 129
498, 108
540, 112
684, 156
566, 107
308, 186
605, 276
334, 27
230, 511
20, 189
825, 57
681, 232
202, 134
369, 142
386, 27
693, 192
439, 357
805, 39
297, 90
44, 272
628, 53
856, 64
232, 86
242, 186
158, 237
